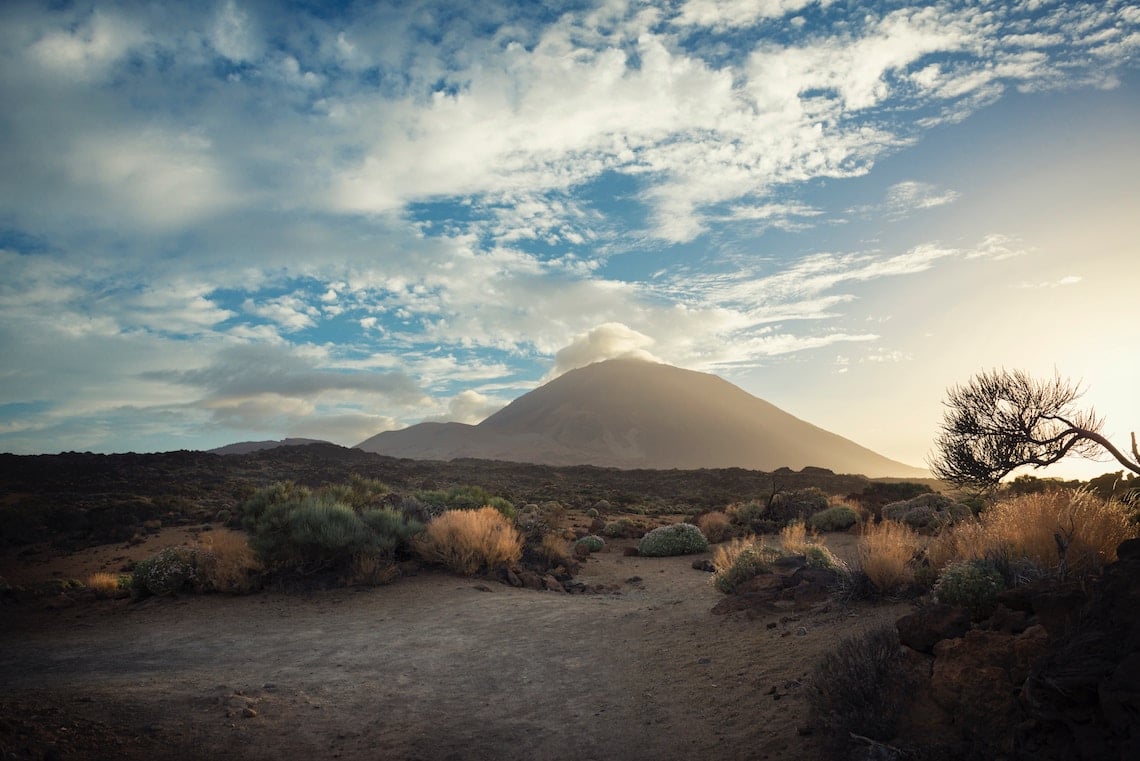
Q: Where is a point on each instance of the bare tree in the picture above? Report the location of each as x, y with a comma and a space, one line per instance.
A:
1004, 419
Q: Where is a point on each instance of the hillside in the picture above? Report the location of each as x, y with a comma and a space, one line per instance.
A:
634, 414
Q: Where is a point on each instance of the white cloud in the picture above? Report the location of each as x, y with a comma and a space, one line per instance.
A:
906, 196
611, 340
233, 34
469, 406
731, 14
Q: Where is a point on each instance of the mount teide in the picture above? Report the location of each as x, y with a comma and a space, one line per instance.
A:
629, 413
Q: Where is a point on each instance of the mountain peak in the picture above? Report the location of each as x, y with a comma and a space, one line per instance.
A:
635, 413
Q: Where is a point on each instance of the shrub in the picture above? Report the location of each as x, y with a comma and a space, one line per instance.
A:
972, 584
738, 561
839, 518
554, 549
623, 528
465, 498
109, 584
1028, 526
172, 570
797, 505
470, 541
306, 532
235, 561
794, 538
593, 543
677, 539
927, 512
715, 526
862, 687
747, 515
886, 552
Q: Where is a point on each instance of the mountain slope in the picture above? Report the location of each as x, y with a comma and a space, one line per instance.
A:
245, 447
635, 414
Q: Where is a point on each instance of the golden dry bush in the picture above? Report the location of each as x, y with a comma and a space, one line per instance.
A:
107, 585
716, 526
886, 552
794, 538
726, 555
468, 541
554, 548
1029, 526
965, 540
235, 561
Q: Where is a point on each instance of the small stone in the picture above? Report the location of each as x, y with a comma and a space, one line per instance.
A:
249, 712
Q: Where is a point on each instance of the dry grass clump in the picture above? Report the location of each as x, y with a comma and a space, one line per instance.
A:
235, 561
739, 560
794, 538
469, 541
961, 542
1033, 526
109, 584
886, 550
716, 526
554, 548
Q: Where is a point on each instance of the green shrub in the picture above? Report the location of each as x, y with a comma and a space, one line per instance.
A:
862, 687
839, 518
797, 505
818, 556
172, 570
592, 542
293, 529
464, 498
971, 584
677, 539
623, 528
927, 512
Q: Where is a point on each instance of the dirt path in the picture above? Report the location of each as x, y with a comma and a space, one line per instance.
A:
431, 667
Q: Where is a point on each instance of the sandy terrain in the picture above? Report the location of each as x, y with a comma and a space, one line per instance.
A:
431, 667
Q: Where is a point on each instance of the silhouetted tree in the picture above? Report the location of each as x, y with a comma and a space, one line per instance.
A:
1004, 419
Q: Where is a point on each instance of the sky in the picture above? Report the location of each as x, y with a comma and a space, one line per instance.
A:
247, 220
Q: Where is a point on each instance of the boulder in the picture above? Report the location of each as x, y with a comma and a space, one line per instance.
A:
924, 628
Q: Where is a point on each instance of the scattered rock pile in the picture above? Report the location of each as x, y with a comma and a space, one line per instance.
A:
1054, 673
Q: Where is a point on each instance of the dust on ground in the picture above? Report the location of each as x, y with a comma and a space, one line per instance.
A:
430, 667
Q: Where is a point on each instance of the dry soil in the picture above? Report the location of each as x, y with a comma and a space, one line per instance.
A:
430, 667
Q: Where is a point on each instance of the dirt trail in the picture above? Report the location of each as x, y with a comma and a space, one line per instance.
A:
431, 667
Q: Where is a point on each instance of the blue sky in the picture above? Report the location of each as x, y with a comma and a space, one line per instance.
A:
247, 220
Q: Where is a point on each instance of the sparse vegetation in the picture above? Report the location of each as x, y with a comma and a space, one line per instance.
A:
470, 541
926, 512
886, 555
464, 498
716, 526
677, 539
172, 570
235, 562
861, 688
109, 584
837, 518
970, 584
593, 543
739, 560
1074, 532
294, 529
